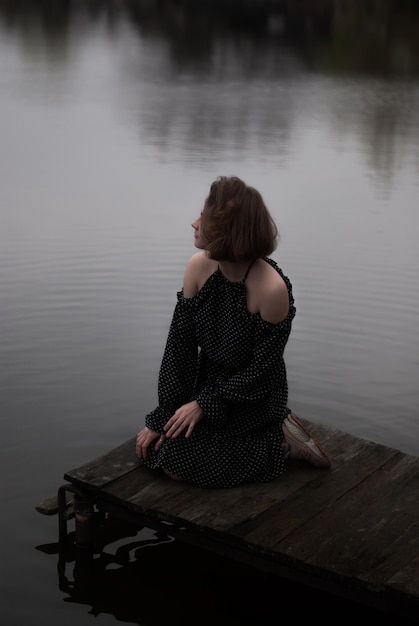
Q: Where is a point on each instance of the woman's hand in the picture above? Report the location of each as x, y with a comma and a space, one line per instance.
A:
186, 417
145, 437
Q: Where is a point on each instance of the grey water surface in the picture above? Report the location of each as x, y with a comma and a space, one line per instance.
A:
115, 117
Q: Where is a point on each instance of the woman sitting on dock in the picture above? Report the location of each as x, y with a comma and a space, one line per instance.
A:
222, 418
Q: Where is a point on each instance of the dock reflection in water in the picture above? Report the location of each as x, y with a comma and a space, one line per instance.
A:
145, 578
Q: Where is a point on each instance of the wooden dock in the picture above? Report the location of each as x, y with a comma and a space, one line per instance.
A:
352, 531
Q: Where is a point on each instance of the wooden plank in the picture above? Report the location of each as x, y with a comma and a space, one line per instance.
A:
316, 496
159, 494
105, 468
49, 506
371, 532
219, 509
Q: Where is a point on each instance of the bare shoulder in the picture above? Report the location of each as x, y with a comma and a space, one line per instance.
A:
198, 269
267, 293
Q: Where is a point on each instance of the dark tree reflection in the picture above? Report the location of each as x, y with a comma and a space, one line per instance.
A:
375, 37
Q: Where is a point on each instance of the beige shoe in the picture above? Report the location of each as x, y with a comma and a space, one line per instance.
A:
303, 445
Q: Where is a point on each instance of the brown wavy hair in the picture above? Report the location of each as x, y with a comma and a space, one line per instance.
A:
235, 222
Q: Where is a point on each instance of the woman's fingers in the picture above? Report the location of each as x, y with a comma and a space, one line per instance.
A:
144, 438
159, 443
185, 418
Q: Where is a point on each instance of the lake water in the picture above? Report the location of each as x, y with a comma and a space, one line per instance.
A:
115, 117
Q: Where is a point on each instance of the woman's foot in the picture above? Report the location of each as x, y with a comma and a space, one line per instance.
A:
171, 475
302, 445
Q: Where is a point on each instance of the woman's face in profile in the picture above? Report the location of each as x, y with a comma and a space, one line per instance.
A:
196, 225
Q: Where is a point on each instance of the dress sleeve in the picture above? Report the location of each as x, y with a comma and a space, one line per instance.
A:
254, 383
179, 365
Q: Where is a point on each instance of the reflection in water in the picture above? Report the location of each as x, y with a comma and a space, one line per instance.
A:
210, 88
148, 579
378, 37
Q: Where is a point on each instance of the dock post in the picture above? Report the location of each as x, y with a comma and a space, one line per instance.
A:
62, 513
83, 511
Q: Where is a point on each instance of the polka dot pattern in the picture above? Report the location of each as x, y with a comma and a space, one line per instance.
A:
231, 362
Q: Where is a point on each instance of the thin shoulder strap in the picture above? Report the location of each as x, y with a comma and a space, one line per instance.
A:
248, 270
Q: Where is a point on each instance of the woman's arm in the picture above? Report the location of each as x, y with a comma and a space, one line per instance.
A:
178, 367
253, 383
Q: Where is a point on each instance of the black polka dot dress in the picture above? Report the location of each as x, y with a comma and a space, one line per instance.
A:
231, 362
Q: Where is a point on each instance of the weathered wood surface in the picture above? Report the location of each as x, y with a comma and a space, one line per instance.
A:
353, 529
